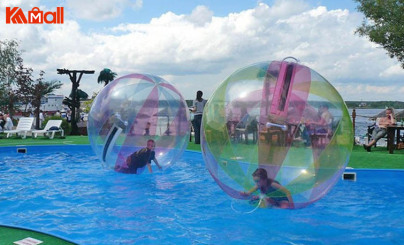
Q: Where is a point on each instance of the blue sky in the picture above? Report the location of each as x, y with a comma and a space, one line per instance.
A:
197, 44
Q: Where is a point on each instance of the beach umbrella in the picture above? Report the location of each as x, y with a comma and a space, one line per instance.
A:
380, 114
400, 115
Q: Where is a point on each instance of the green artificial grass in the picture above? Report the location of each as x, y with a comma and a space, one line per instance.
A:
379, 158
9, 235
193, 147
40, 140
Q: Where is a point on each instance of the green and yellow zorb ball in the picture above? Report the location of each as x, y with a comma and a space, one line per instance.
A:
283, 117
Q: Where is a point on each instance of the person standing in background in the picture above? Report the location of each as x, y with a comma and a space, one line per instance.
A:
41, 118
197, 109
9, 123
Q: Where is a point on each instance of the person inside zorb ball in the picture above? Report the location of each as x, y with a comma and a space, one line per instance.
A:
136, 120
277, 131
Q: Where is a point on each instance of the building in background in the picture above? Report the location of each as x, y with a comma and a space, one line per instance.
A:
50, 103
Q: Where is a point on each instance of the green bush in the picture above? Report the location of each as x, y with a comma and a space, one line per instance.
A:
65, 125
15, 122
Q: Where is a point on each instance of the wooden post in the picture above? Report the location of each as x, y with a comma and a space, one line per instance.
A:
353, 122
75, 99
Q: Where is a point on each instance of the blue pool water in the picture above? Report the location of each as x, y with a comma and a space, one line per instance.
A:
63, 190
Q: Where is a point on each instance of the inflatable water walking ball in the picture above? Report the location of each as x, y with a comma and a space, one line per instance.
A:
132, 110
281, 116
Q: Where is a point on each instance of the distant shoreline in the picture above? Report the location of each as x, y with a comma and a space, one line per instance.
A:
374, 104
361, 104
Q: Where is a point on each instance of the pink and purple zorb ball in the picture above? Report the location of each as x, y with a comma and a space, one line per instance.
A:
283, 117
132, 110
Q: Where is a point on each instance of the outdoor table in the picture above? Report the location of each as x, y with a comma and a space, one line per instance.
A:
282, 137
391, 131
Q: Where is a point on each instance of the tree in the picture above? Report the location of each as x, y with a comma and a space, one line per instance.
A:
384, 25
10, 57
39, 89
16, 82
10, 60
106, 76
24, 83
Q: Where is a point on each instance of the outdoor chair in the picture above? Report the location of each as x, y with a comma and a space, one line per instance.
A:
23, 127
51, 127
370, 132
243, 128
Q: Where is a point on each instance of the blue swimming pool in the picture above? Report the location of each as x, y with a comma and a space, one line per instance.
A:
63, 190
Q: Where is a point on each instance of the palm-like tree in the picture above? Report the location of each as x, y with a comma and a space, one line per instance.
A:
39, 89
106, 76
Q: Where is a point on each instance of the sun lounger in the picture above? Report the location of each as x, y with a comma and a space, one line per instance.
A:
23, 127
51, 127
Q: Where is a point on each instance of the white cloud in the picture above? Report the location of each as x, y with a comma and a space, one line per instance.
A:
394, 70
25, 5
369, 92
199, 50
137, 4
100, 10
200, 15
379, 89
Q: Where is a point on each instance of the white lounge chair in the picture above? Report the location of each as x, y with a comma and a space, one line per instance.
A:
23, 127
48, 130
